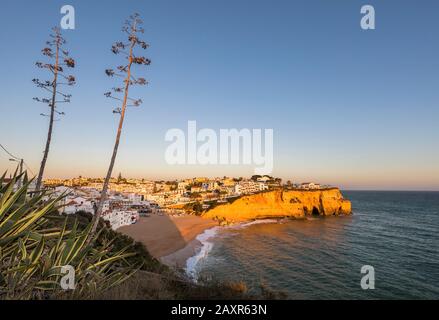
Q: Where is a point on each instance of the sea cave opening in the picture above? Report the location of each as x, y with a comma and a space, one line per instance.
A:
315, 211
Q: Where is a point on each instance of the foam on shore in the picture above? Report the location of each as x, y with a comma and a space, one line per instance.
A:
202, 253
206, 245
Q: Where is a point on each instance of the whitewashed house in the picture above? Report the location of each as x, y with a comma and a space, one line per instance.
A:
249, 186
120, 218
310, 186
263, 179
76, 204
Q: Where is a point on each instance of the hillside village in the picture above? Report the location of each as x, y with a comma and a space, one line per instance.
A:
129, 199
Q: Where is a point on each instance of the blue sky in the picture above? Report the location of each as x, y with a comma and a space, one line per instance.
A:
348, 107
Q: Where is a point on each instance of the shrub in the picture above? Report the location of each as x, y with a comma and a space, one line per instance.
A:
34, 247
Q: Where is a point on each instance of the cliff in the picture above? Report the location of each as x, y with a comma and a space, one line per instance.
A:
283, 203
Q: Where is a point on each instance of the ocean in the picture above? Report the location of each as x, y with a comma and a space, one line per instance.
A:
397, 233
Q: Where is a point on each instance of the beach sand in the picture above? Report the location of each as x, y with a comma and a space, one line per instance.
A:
169, 239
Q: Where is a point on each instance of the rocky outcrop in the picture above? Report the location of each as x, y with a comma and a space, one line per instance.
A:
283, 203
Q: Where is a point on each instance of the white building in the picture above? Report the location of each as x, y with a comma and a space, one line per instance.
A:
263, 179
76, 204
182, 187
247, 187
135, 198
309, 186
120, 218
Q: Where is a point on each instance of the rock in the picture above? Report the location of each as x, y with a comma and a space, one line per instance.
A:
282, 203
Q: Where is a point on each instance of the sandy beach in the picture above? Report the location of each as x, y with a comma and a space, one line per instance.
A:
170, 239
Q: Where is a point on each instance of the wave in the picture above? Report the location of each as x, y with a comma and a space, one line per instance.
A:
206, 245
247, 224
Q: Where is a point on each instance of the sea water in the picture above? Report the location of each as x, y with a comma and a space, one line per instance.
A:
397, 233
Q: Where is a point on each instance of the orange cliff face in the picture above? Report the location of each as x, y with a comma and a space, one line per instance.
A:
282, 203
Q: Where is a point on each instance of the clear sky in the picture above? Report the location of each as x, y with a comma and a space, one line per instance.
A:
348, 107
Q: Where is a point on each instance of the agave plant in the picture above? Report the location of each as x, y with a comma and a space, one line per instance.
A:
33, 252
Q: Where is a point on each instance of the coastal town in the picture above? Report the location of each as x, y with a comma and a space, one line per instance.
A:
130, 199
